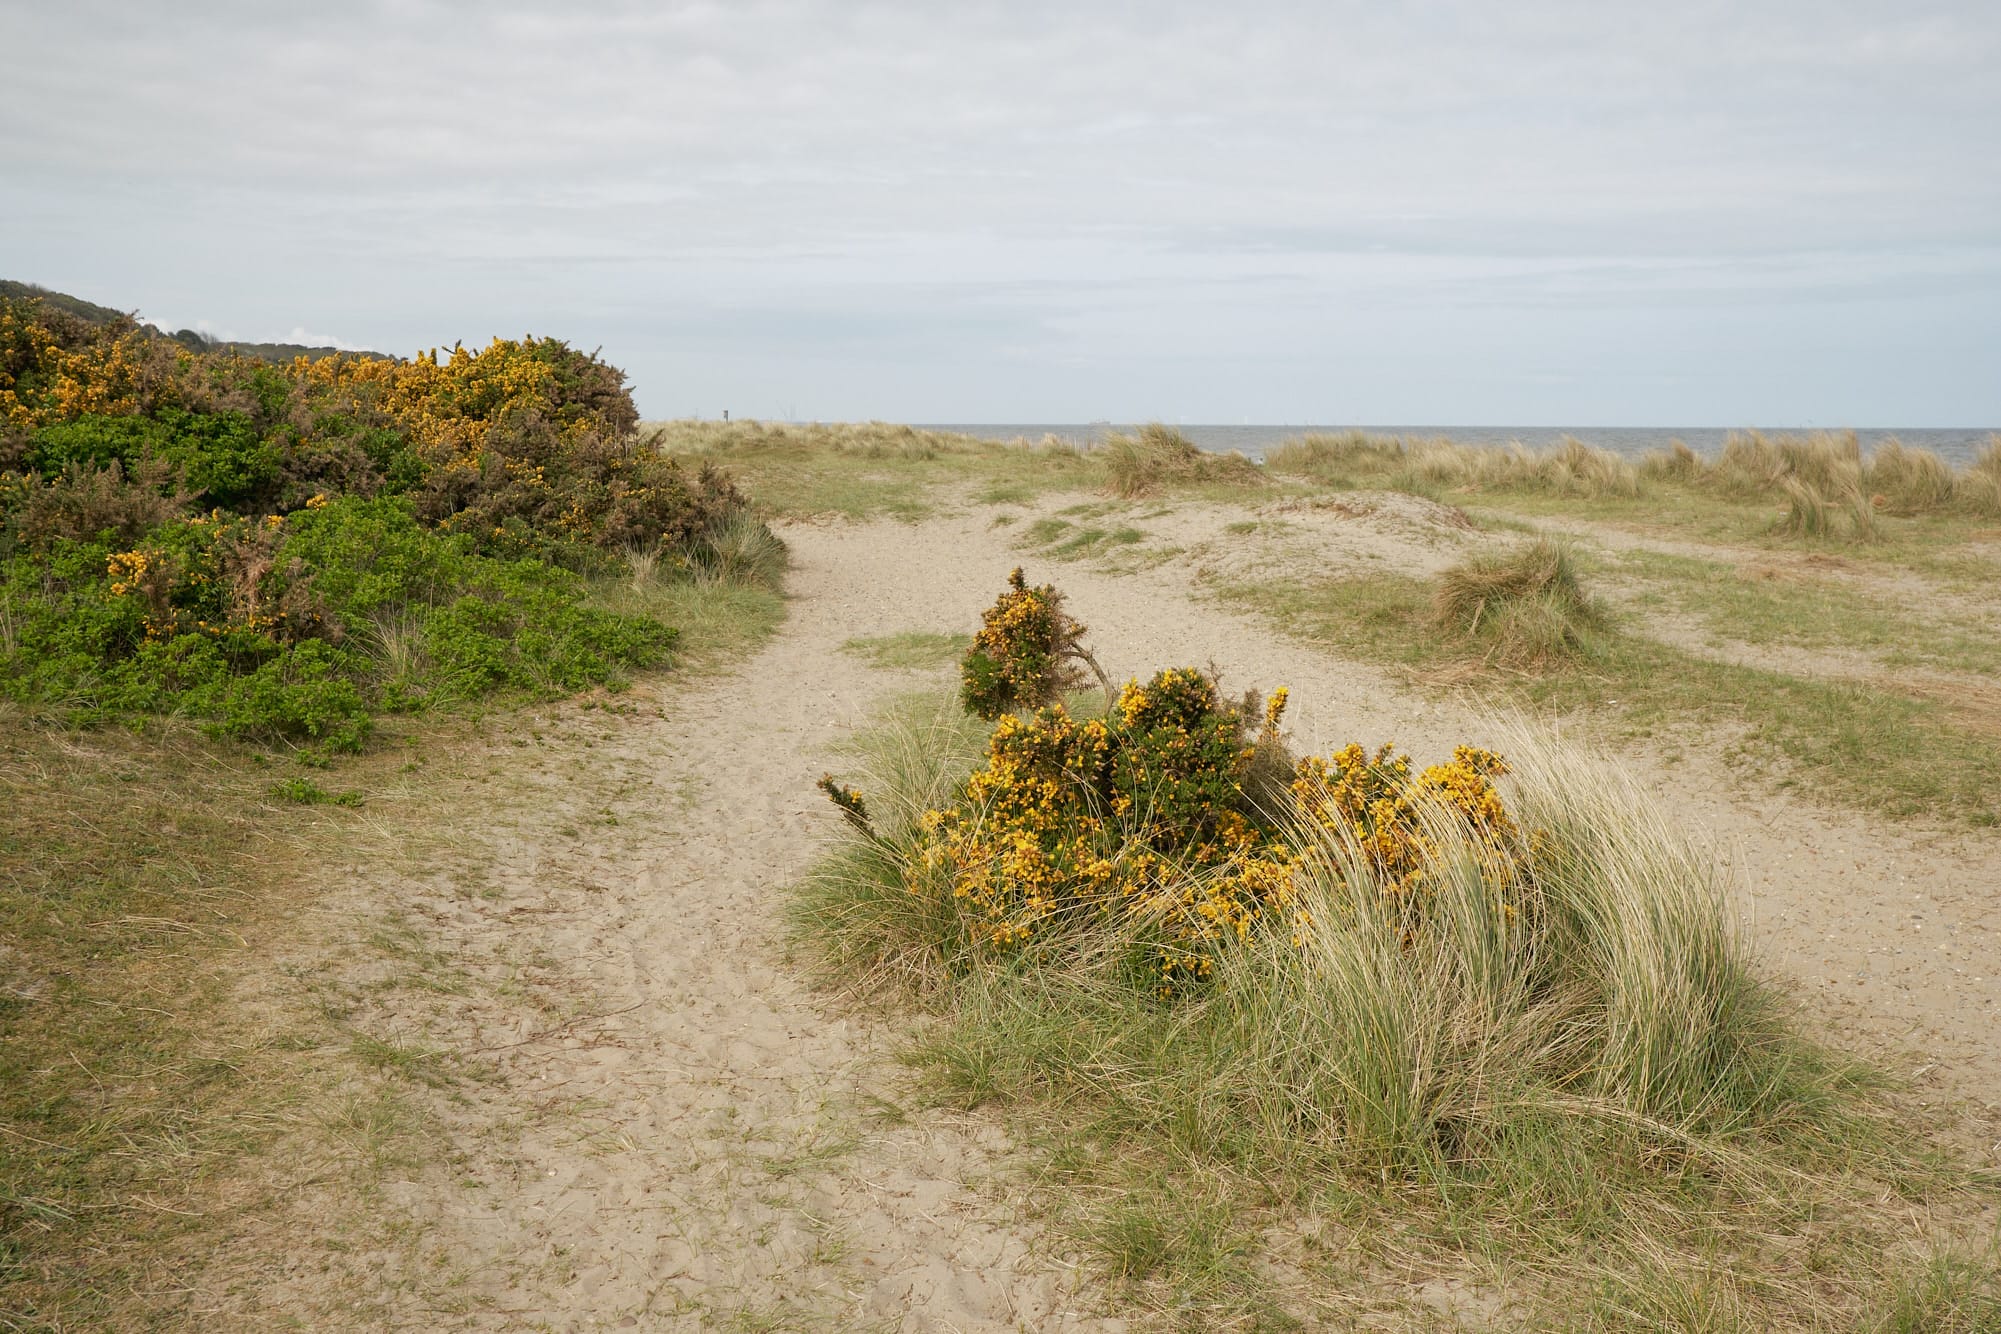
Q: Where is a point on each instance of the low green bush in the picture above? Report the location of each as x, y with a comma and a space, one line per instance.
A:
301, 627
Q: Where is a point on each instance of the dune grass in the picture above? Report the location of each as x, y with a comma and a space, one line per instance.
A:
1867, 746
873, 469
866, 470
1581, 1112
1157, 457
1898, 507
1826, 467
1354, 459
1524, 607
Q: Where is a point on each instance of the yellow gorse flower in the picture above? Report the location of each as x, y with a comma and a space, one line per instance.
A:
1143, 815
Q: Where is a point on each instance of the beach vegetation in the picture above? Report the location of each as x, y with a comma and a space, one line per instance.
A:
1060, 539
1155, 457
910, 650
870, 469
1524, 608
1884, 745
1028, 654
1486, 1017
1429, 467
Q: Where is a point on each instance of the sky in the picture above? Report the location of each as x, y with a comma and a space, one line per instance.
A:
1531, 213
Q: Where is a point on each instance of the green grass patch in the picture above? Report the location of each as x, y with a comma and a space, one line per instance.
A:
912, 650
1060, 539
875, 470
303, 791
1864, 747
1005, 493
1791, 606
1261, 527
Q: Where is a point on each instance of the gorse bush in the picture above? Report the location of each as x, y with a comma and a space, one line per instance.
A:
286, 550
528, 446
1028, 653
1171, 810
1150, 817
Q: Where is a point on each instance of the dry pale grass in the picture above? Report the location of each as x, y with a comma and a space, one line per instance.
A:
1524, 608
859, 440
1156, 456
1825, 479
1569, 468
1829, 484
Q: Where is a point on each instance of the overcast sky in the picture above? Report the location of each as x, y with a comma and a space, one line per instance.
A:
1521, 213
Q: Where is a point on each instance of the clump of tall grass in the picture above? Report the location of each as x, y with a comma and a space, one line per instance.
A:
1909, 481
1978, 487
1816, 516
854, 911
1523, 608
1676, 463
1156, 456
1754, 464
1356, 458
1830, 487
742, 550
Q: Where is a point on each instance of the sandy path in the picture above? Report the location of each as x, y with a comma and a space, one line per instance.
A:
666, 1127
678, 1133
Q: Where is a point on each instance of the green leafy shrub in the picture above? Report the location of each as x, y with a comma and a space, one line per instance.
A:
265, 626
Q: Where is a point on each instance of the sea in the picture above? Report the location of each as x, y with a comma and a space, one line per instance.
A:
1956, 446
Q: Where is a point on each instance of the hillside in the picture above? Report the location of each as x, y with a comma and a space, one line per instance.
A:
95, 314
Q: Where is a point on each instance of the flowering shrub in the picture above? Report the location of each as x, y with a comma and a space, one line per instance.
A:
527, 446
1155, 815
849, 802
1027, 653
288, 549
1140, 812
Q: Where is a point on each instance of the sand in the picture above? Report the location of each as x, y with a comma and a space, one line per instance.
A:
672, 1128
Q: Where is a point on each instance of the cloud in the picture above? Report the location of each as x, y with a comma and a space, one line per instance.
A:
1188, 178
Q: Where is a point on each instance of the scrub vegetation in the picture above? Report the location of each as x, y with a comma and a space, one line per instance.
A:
1289, 1030
289, 551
